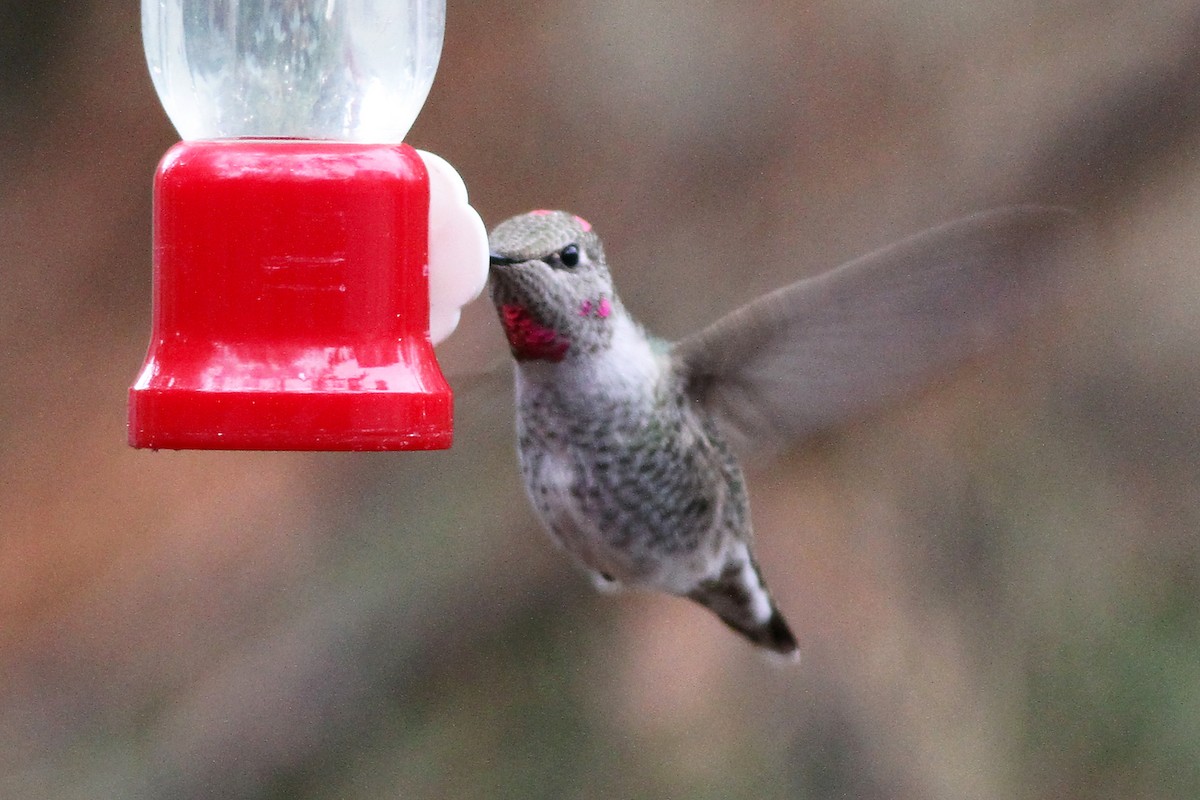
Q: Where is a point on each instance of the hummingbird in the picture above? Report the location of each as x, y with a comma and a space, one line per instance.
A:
630, 445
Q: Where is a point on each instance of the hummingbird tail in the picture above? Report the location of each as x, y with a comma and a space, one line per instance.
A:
739, 597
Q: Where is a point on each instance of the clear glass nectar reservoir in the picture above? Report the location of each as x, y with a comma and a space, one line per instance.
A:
350, 70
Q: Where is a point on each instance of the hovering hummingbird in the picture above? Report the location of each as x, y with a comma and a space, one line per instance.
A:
629, 444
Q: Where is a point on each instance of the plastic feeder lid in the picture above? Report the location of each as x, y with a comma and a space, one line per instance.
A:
291, 301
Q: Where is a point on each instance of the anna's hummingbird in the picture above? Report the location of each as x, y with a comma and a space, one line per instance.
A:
627, 442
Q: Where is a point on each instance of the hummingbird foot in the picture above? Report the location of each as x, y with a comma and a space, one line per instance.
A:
605, 583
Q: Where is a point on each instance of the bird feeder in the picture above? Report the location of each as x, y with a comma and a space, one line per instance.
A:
296, 239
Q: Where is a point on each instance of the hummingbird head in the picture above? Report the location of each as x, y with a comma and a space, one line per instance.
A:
551, 286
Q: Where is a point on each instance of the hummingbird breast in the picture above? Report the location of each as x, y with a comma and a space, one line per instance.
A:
632, 482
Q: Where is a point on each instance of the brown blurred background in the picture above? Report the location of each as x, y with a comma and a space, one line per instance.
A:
996, 585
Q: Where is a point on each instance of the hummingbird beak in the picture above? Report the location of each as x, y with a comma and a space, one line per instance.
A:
502, 261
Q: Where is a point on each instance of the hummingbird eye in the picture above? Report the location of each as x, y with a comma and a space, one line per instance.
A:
569, 256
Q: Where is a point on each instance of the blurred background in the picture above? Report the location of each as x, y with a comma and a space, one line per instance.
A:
996, 585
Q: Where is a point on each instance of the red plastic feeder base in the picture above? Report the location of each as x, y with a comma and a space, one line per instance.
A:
291, 301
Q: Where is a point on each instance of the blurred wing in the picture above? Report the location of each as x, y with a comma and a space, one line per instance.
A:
816, 353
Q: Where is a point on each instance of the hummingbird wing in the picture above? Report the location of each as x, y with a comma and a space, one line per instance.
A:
823, 350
